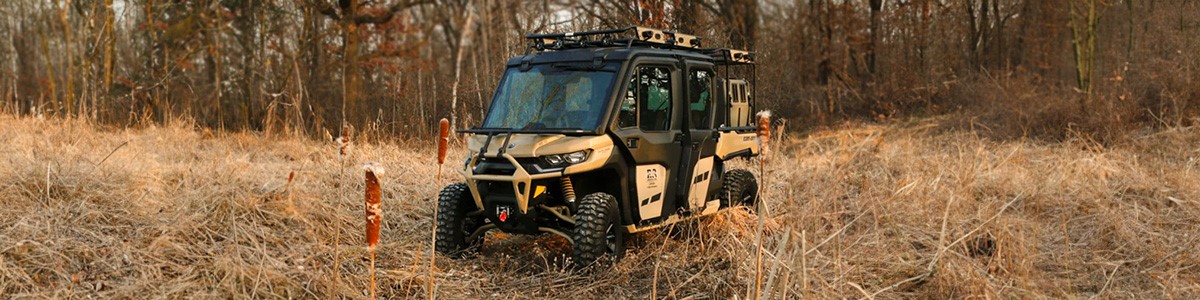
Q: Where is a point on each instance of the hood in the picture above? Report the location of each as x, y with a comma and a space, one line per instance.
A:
534, 145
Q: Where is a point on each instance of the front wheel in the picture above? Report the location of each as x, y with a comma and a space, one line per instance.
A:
454, 226
597, 233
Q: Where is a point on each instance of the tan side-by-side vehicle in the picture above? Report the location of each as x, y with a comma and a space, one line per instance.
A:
595, 135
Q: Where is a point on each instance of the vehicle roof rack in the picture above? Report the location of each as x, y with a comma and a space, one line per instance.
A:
636, 36
726, 56
628, 36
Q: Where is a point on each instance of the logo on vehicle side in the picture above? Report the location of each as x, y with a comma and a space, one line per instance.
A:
510, 146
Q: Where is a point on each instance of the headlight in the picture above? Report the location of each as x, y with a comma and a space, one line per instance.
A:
554, 159
575, 157
566, 159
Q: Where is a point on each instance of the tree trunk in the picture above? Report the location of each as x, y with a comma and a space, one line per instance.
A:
351, 83
742, 17
1083, 33
996, 41
25, 46
52, 90
478, 88
264, 64
984, 33
421, 98
151, 66
686, 16
214, 64
1027, 17
458, 61
825, 68
872, 48
109, 44
314, 82
973, 32
823, 22
1129, 30
17, 59
923, 37
69, 70
1182, 15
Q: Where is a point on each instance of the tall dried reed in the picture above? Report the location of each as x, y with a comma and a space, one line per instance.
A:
443, 146
763, 131
175, 214
345, 144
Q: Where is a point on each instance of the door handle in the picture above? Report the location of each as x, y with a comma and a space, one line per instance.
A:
632, 143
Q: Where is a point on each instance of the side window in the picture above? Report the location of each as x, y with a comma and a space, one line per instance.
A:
647, 101
700, 104
629, 105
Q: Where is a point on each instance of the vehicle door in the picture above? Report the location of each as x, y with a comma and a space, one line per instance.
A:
700, 110
648, 123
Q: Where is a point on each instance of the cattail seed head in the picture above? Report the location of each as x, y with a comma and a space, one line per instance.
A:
345, 141
374, 212
764, 130
443, 139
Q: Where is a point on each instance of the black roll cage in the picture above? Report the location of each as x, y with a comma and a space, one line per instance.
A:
630, 37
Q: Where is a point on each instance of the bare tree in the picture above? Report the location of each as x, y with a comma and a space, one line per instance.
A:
1084, 18
463, 38
236, 64
872, 65
351, 14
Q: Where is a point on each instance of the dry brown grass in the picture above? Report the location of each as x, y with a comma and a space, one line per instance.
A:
899, 211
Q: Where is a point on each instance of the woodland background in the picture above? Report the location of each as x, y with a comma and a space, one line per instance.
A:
1006, 68
999, 149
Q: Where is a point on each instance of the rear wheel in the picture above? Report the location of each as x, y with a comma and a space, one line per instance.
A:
597, 233
739, 188
454, 226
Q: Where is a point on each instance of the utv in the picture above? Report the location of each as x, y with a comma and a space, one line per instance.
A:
595, 135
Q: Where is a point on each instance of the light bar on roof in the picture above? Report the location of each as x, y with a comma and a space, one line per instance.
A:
658, 36
741, 56
641, 35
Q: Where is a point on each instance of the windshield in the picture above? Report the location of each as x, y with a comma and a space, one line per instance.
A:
551, 97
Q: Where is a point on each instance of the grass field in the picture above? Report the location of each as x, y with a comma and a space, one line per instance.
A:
907, 210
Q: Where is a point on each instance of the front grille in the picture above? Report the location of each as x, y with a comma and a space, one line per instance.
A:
494, 166
497, 188
501, 166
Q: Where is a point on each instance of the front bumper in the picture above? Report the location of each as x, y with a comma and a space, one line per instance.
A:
521, 178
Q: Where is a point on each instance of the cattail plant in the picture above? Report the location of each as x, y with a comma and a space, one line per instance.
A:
345, 149
291, 204
764, 130
764, 144
443, 140
374, 213
345, 144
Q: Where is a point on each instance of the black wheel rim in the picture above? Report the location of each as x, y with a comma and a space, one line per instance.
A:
610, 237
